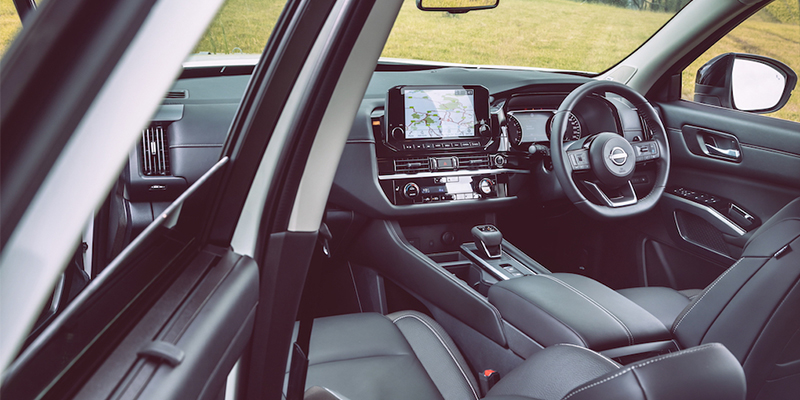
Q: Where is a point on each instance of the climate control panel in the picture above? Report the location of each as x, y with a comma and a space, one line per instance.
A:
445, 188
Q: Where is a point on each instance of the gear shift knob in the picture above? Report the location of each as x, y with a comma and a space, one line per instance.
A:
487, 240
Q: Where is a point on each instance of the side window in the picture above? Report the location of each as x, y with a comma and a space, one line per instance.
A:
10, 25
773, 32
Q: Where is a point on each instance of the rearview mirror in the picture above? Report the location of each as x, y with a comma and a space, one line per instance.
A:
745, 82
456, 6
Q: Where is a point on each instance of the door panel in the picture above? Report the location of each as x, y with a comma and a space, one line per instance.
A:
730, 172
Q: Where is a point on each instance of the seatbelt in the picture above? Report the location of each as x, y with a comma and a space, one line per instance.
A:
298, 368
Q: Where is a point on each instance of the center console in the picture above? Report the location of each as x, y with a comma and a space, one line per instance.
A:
438, 144
488, 293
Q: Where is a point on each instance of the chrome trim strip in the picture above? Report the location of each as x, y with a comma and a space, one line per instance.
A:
484, 264
463, 172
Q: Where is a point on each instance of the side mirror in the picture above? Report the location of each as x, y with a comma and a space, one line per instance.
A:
456, 6
745, 82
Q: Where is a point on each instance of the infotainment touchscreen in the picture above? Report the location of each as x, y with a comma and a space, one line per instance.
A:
419, 116
439, 113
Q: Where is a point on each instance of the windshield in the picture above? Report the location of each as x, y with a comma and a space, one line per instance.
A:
575, 35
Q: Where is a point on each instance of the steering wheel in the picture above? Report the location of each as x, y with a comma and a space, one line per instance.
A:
603, 164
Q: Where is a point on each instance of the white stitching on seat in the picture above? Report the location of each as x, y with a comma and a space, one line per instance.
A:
598, 305
474, 393
705, 292
610, 361
632, 367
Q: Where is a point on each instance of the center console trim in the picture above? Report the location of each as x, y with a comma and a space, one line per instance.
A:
485, 264
462, 172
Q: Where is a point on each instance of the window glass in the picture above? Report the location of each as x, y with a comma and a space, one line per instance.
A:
772, 32
242, 26
576, 35
10, 24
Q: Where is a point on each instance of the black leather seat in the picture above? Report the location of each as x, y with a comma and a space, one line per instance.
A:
753, 308
409, 356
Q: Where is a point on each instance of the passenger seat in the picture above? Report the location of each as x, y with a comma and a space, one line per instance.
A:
407, 355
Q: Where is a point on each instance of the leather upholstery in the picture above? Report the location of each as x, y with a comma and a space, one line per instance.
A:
407, 355
364, 356
553, 372
438, 354
753, 308
706, 372
664, 303
401, 356
568, 308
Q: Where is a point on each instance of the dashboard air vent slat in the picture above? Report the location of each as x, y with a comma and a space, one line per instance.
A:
178, 94
476, 161
155, 152
412, 165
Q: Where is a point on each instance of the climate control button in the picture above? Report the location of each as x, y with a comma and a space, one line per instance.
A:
411, 190
486, 186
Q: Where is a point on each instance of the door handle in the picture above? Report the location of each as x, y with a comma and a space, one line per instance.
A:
718, 152
719, 145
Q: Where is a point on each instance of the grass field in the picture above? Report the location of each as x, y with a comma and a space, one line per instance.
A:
560, 34
9, 24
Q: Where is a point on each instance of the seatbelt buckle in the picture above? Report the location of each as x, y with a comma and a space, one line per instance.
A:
487, 380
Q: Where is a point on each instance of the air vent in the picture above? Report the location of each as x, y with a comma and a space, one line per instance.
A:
155, 152
178, 94
412, 165
475, 161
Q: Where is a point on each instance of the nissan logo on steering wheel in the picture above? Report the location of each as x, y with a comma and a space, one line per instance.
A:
618, 156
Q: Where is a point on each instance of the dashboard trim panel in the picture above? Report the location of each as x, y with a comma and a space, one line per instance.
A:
453, 173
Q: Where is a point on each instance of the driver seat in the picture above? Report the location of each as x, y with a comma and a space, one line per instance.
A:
753, 308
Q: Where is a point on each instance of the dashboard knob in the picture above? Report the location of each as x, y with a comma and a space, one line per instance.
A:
485, 186
398, 133
411, 190
499, 160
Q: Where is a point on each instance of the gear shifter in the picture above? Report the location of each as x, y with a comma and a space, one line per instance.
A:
487, 240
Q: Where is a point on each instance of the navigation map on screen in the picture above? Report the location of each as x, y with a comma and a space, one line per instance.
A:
439, 113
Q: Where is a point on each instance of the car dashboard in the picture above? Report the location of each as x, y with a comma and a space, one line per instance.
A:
505, 164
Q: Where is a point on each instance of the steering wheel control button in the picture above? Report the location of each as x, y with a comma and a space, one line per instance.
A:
579, 159
411, 190
646, 151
